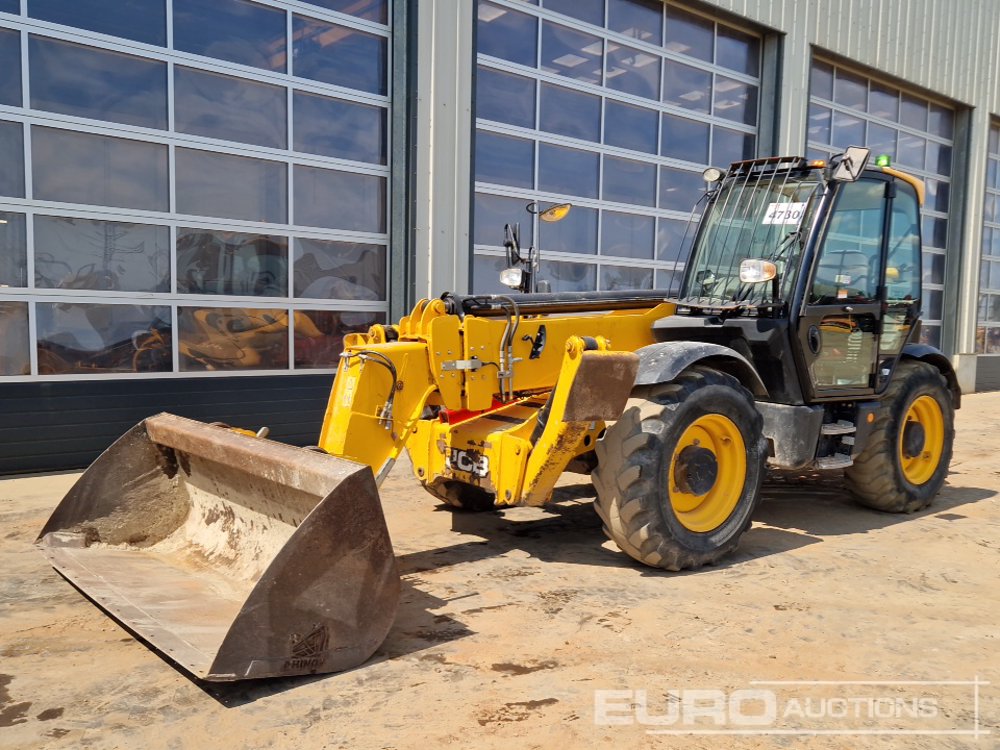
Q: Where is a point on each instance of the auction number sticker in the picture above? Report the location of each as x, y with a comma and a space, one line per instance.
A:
784, 213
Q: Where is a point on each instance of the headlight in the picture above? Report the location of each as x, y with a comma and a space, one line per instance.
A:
753, 271
511, 277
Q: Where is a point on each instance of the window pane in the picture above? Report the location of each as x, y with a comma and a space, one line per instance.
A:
12, 158
671, 242
504, 97
14, 357
234, 30
492, 212
684, 139
933, 268
214, 262
628, 181
913, 112
904, 248
938, 158
623, 277
680, 189
847, 130
319, 335
735, 100
731, 145
627, 235
627, 126
937, 195
569, 277
507, 34
819, 123
737, 51
589, 11
89, 339
218, 338
687, 87
141, 20
689, 34
577, 233
633, 71
338, 55
935, 232
570, 113
883, 102
10, 6
569, 171
233, 109
76, 80
881, 140
821, 80
850, 90
572, 53
10, 67
101, 255
639, 19
370, 10
234, 187
338, 128
339, 270
911, 151
99, 169
339, 200
486, 275
13, 250
504, 160
941, 121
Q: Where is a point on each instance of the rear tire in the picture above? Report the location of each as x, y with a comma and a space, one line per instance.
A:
461, 496
666, 502
885, 476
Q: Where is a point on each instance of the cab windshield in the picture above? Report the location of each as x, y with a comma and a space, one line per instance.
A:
757, 215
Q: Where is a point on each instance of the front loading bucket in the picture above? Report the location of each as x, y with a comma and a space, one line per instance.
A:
236, 557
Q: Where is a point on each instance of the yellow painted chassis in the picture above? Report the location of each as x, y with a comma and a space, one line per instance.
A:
507, 420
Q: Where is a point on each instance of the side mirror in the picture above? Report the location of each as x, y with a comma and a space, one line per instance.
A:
848, 166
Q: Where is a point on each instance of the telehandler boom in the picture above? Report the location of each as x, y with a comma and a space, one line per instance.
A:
791, 340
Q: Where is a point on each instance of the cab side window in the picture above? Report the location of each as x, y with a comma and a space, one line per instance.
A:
849, 266
902, 270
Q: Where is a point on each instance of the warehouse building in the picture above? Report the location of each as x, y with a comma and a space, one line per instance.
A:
199, 200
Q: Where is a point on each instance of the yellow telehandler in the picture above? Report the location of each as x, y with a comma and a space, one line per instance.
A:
790, 340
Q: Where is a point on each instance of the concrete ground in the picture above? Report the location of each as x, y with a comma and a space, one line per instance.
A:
514, 626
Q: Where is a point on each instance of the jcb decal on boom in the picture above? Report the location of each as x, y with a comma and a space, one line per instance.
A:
470, 462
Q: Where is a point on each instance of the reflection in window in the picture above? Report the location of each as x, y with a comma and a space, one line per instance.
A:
567, 170
850, 90
570, 113
689, 34
684, 139
639, 19
680, 189
673, 239
577, 233
98, 169
848, 131
628, 126
370, 10
687, 87
486, 274
505, 97
883, 101
13, 250
234, 187
731, 145
627, 235
507, 34
735, 100
491, 212
229, 108
10, 67
215, 262
737, 50
221, 338
572, 53
339, 55
504, 160
73, 79
235, 30
338, 128
849, 266
12, 158
84, 338
102, 255
339, 200
819, 123
14, 357
141, 20
625, 277
588, 11
325, 269
633, 71
569, 277
319, 335
629, 181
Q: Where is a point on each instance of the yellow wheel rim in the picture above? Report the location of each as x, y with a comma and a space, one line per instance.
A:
919, 460
703, 498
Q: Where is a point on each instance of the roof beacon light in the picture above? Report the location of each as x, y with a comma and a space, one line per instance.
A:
883, 160
753, 271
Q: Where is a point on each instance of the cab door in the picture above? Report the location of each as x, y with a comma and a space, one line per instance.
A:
842, 311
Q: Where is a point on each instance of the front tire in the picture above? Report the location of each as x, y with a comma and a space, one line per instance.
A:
679, 474
905, 461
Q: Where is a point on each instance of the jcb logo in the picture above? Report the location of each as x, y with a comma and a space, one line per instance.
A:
470, 462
